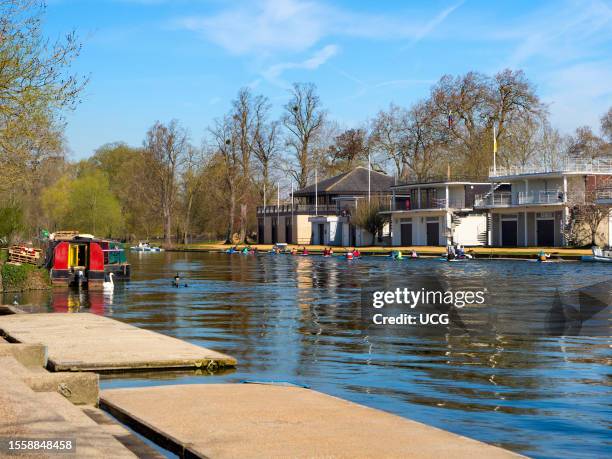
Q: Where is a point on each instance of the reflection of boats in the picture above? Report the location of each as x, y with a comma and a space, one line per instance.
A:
82, 258
145, 247
604, 255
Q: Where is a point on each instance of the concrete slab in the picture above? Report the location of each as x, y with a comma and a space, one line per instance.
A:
25, 414
83, 341
29, 355
79, 388
254, 420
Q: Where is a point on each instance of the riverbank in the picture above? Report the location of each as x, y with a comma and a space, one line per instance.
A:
478, 252
23, 277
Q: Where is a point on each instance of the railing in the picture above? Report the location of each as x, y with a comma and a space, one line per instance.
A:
540, 197
507, 198
432, 204
308, 209
586, 166
604, 195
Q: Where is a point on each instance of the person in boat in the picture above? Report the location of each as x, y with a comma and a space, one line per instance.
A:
176, 281
460, 251
330, 252
293, 251
450, 252
349, 255
543, 256
256, 250
325, 252
304, 251
413, 254
356, 253
399, 255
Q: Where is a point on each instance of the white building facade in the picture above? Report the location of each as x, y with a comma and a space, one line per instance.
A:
530, 206
437, 214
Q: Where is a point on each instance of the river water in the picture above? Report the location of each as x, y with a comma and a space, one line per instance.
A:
296, 319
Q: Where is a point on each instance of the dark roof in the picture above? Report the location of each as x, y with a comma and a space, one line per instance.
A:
349, 183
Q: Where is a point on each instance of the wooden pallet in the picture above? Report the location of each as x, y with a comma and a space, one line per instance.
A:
23, 254
65, 235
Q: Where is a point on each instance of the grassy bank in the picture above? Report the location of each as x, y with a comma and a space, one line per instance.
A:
479, 252
17, 278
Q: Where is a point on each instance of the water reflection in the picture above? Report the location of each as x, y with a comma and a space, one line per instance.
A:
298, 319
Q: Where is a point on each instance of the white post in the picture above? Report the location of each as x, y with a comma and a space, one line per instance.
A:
526, 239
264, 199
447, 197
316, 193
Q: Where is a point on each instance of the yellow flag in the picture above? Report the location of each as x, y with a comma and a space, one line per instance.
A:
494, 141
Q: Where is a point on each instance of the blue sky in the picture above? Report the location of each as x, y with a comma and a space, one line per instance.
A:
154, 60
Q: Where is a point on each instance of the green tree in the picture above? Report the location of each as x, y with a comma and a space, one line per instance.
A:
85, 204
368, 216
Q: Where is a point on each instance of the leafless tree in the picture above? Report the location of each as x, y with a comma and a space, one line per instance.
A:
267, 149
303, 119
165, 150
248, 114
225, 137
388, 137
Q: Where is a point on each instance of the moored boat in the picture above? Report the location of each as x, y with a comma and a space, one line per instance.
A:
145, 247
74, 259
603, 255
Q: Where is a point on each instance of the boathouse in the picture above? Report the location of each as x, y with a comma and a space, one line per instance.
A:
532, 205
321, 213
437, 213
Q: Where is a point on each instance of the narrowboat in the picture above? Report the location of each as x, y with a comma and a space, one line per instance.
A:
75, 259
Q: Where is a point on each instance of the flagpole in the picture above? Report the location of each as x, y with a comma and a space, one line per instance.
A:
494, 152
277, 210
369, 180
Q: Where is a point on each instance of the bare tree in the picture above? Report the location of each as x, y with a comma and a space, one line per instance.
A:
192, 184
303, 118
165, 150
248, 114
388, 137
585, 144
475, 105
225, 137
606, 125
266, 149
349, 148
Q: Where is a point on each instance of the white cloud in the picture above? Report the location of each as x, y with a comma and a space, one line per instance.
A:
579, 94
266, 27
319, 58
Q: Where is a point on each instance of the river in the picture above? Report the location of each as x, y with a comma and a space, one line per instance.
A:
295, 319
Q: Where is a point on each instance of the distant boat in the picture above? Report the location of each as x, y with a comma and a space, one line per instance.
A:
600, 254
145, 247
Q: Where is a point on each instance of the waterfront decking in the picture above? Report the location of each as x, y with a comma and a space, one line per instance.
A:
262, 420
88, 342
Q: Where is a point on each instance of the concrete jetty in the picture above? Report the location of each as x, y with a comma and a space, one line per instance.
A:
38, 405
259, 420
88, 342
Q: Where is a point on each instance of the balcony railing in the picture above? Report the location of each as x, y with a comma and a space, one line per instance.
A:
603, 165
304, 209
507, 198
431, 204
604, 195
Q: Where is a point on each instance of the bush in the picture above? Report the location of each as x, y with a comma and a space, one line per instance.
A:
23, 277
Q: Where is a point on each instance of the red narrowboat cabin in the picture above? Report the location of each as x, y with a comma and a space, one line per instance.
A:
84, 259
